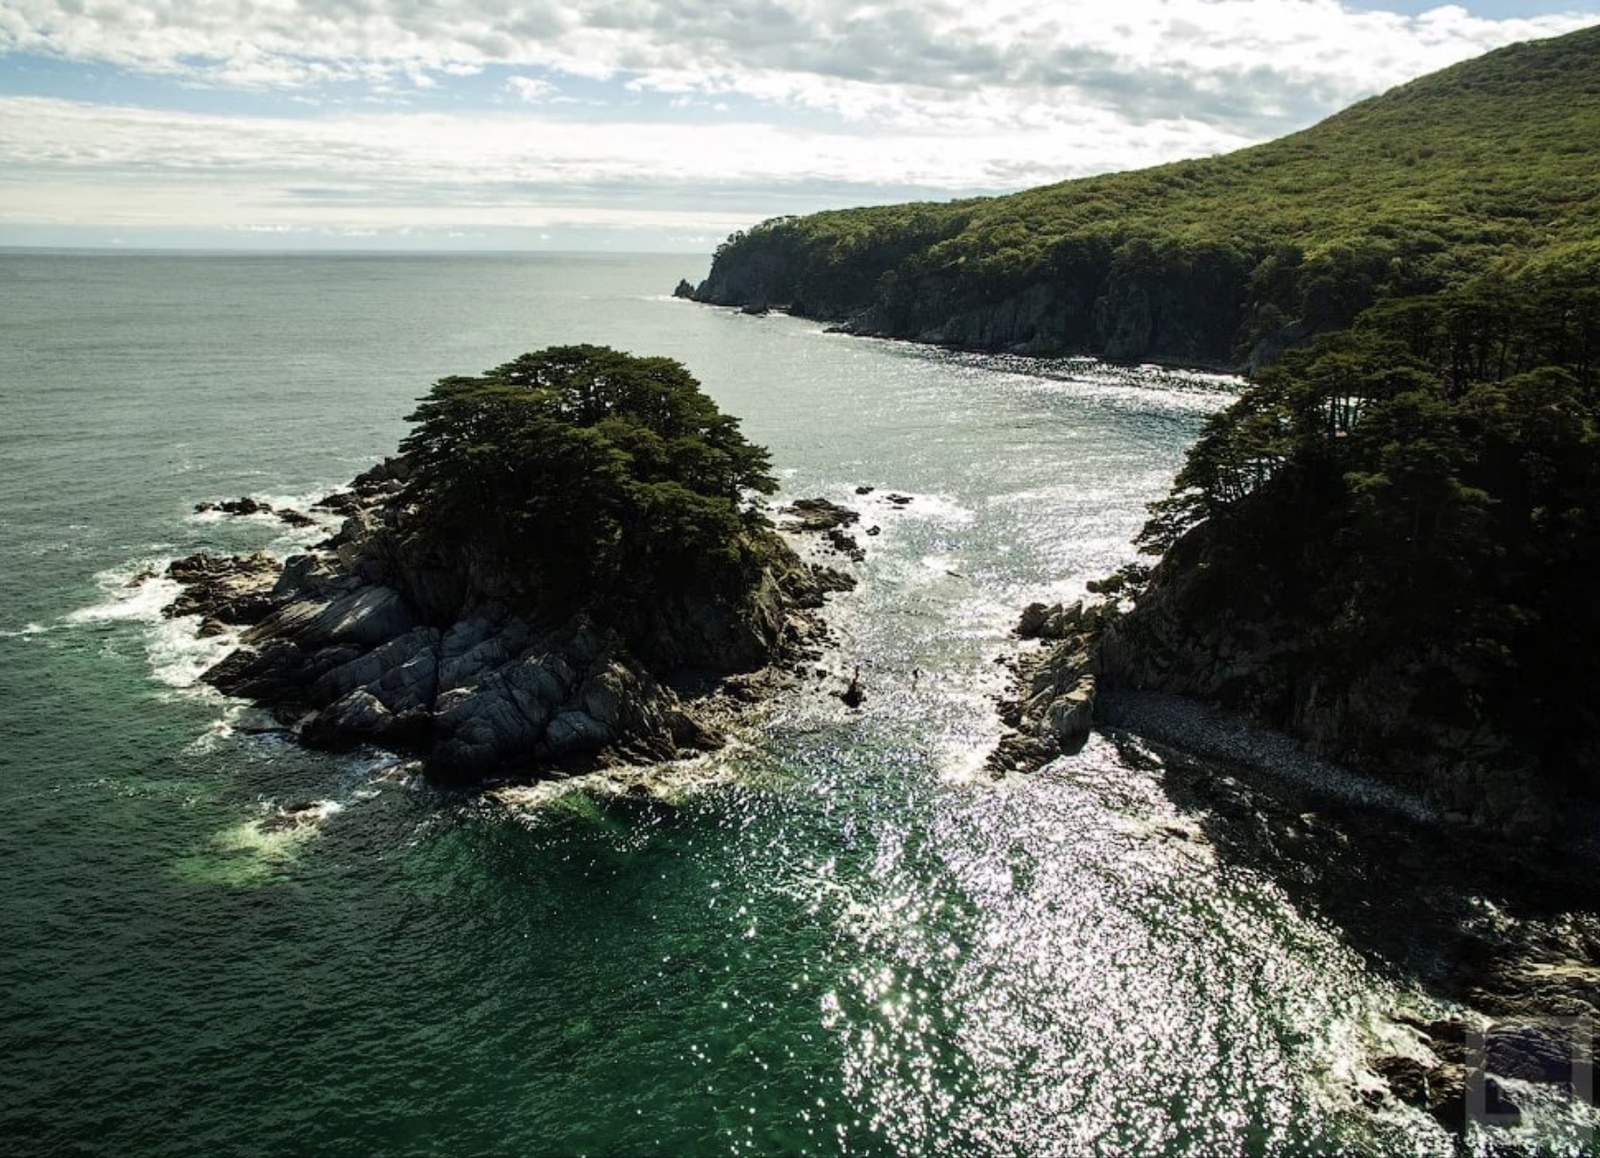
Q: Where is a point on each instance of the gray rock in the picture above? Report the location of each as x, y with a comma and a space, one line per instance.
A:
1530, 1053
368, 616
358, 716
817, 515
572, 732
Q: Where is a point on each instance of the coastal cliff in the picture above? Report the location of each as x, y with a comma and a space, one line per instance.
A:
561, 567
1223, 261
1386, 549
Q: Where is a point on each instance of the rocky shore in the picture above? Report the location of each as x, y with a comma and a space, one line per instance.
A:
1503, 933
1051, 705
369, 638
1500, 943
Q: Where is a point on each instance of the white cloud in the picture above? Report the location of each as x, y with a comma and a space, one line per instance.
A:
1247, 64
66, 157
817, 102
531, 90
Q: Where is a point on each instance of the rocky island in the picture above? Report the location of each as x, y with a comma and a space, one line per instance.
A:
564, 564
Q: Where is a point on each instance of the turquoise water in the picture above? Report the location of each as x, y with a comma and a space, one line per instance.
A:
845, 939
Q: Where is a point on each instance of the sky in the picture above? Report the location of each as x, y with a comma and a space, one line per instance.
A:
649, 125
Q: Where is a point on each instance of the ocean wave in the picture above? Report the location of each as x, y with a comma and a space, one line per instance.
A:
137, 594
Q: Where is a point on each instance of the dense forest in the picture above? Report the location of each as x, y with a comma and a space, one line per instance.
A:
1487, 166
592, 480
1388, 545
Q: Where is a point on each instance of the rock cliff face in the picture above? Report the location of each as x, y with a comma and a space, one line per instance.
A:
1198, 631
1126, 307
1051, 708
369, 638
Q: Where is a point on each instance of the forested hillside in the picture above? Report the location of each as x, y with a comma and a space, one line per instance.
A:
1388, 546
1492, 165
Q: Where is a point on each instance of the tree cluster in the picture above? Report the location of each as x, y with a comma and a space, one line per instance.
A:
1483, 164
601, 480
1425, 487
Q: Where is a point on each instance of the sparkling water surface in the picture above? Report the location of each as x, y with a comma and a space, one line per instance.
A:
846, 938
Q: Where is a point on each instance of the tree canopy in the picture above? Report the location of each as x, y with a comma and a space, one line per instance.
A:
1423, 491
601, 478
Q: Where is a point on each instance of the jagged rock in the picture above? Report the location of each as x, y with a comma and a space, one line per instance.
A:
367, 616
358, 716
340, 503
685, 289
1051, 705
817, 515
1406, 1078
366, 639
241, 506
1531, 1053
232, 589
845, 544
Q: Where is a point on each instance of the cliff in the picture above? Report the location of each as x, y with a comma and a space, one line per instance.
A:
1223, 261
1386, 547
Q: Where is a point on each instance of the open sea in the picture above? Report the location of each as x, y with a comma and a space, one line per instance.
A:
846, 938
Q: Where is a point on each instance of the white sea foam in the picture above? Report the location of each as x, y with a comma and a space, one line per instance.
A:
177, 653
289, 537
24, 631
135, 593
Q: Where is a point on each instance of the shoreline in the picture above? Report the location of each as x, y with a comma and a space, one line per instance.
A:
844, 326
1506, 932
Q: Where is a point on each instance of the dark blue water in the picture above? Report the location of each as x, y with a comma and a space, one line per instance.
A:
844, 937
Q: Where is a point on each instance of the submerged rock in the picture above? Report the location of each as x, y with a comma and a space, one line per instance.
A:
240, 506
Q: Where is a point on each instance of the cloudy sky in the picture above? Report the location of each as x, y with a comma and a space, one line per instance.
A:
649, 124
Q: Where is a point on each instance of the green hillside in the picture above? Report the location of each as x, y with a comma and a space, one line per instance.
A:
1491, 164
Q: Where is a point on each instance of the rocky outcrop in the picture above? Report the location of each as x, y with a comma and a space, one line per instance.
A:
252, 506
369, 639
224, 589
1051, 706
1201, 629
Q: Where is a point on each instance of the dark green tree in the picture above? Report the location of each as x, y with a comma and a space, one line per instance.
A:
600, 479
